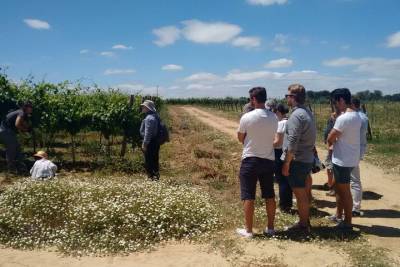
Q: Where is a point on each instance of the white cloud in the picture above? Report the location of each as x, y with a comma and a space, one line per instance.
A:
247, 42
172, 67
37, 24
204, 32
280, 43
279, 63
121, 47
166, 35
250, 76
202, 77
118, 71
107, 54
393, 40
343, 61
198, 86
380, 67
84, 51
267, 2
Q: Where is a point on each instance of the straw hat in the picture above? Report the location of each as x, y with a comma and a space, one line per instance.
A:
149, 104
41, 154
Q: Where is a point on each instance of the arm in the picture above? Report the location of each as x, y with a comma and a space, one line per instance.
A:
149, 128
333, 136
241, 137
241, 133
286, 164
278, 141
20, 124
293, 135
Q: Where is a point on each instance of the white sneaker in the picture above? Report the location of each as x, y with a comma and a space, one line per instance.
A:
243, 233
334, 218
269, 232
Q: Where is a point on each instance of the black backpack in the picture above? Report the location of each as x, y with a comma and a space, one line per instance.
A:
163, 134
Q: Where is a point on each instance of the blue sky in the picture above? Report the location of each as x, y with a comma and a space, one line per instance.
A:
205, 48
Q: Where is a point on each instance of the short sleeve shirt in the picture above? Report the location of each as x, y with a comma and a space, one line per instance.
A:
346, 150
260, 126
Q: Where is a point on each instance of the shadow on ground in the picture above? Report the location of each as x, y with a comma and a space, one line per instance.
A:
382, 213
379, 230
369, 195
318, 232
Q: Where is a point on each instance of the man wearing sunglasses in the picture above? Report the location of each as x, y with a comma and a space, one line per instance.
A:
298, 152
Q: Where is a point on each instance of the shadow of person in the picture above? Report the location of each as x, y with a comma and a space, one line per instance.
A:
369, 195
321, 203
379, 230
323, 187
317, 232
382, 213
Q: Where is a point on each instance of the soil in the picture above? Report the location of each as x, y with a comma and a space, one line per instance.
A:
380, 223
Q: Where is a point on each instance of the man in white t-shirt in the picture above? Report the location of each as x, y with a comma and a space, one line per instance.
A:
256, 132
345, 138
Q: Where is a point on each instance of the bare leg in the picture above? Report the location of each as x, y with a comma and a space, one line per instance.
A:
309, 187
343, 190
248, 206
270, 206
329, 173
339, 205
303, 205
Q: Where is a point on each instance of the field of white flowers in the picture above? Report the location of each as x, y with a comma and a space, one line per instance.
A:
102, 216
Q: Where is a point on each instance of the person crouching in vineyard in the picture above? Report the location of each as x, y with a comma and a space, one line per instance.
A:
13, 122
43, 169
150, 146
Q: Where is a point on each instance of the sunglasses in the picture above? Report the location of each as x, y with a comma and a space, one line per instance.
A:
288, 95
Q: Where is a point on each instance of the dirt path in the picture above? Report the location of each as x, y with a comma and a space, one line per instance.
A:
381, 220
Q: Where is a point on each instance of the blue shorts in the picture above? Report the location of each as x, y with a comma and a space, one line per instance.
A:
342, 174
255, 169
298, 173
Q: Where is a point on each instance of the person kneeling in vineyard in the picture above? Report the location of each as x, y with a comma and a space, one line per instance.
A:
43, 169
150, 146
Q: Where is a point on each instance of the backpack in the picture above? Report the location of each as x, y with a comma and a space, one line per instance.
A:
163, 134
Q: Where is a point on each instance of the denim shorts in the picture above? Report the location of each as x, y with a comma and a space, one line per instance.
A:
342, 174
255, 169
298, 172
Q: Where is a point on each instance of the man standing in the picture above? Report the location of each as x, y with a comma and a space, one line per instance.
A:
150, 145
355, 179
298, 152
257, 131
15, 121
345, 138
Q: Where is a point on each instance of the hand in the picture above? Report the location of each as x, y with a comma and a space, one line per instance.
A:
285, 168
144, 148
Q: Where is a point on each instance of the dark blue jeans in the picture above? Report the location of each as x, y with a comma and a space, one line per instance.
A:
285, 191
151, 160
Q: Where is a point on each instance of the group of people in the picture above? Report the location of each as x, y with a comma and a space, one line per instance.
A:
14, 122
281, 146
43, 169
